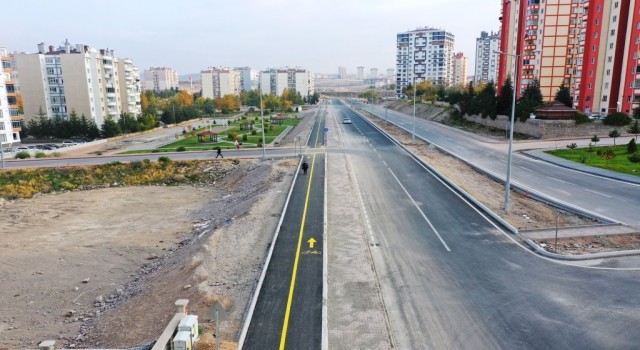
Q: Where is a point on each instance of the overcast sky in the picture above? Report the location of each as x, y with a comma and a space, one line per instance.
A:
191, 35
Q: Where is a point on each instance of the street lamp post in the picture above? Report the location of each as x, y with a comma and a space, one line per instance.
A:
507, 183
1, 153
264, 141
413, 132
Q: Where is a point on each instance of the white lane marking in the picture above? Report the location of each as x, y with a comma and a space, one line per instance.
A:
564, 192
554, 179
598, 193
385, 163
523, 168
421, 212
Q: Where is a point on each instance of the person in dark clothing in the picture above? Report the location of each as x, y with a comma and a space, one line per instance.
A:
219, 152
305, 166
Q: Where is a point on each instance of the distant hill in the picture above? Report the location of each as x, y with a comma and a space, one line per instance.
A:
194, 76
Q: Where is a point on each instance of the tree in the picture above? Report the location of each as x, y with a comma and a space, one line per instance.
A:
634, 128
486, 100
608, 155
110, 128
530, 100
74, 126
251, 98
504, 100
636, 113
370, 95
614, 134
468, 103
595, 139
564, 95
183, 99
572, 146
19, 103
632, 147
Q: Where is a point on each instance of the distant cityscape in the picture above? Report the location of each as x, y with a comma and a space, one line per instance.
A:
589, 46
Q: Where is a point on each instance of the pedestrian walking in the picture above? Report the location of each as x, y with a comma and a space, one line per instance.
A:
238, 144
219, 152
305, 166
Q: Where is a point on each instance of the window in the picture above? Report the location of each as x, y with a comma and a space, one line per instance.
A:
608, 71
614, 18
604, 98
613, 32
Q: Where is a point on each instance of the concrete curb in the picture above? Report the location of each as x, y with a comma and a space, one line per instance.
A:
263, 274
592, 256
442, 178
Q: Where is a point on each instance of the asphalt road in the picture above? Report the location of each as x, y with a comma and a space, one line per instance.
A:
606, 197
450, 279
288, 312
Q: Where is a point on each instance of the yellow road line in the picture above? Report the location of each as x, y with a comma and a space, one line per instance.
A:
285, 325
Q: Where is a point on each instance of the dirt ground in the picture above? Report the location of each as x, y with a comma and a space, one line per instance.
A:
103, 268
597, 244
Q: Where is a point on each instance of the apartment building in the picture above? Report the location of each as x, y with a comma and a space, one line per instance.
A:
460, 69
591, 46
487, 58
130, 87
74, 78
424, 54
217, 82
342, 72
159, 79
274, 81
360, 72
248, 78
10, 119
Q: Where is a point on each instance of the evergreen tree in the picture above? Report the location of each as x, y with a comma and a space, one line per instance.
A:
74, 126
564, 95
110, 128
93, 131
468, 104
634, 128
486, 100
530, 101
84, 126
505, 98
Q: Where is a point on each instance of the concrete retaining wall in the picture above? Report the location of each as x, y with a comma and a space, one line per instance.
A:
547, 129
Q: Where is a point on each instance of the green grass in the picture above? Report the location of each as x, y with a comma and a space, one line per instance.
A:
191, 143
619, 164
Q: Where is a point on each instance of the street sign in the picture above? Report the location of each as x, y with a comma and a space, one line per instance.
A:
217, 308
326, 129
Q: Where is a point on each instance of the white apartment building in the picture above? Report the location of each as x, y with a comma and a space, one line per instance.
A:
360, 70
74, 78
460, 66
487, 58
130, 87
274, 81
248, 78
7, 136
342, 72
159, 79
424, 54
219, 82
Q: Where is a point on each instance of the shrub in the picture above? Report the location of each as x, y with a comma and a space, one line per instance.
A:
632, 147
254, 132
583, 159
244, 137
259, 144
41, 155
181, 149
116, 163
155, 151
634, 158
56, 154
235, 162
99, 153
146, 161
581, 118
164, 160
23, 155
617, 119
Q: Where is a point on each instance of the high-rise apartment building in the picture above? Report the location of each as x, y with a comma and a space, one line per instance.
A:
360, 73
487, 58
76, 78
460, 69
218, 82
9, 116
373, 73
424, 54
342, 72
160, 78
391, 73
130, 88
248, 78
590, 46
274, 81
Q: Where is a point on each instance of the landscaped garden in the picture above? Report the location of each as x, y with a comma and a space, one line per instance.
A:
247, 131
620, 158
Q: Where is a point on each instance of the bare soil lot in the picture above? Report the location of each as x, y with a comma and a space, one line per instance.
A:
102, 268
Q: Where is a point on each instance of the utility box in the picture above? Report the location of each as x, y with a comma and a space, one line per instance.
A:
182, 341
189, 324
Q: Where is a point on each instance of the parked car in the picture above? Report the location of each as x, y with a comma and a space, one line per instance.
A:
346, 121
22, 149
595, 116
67, 143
